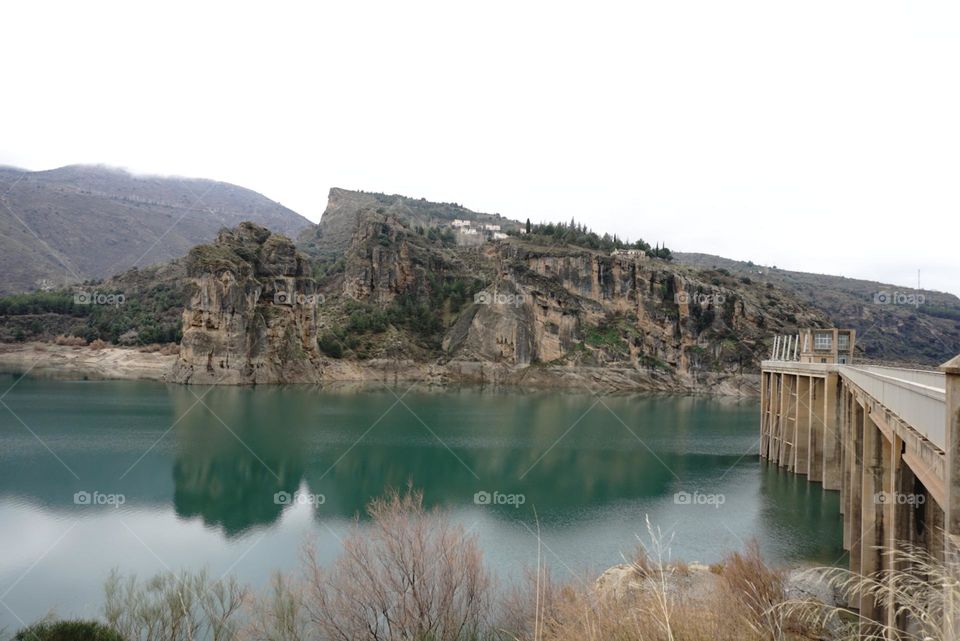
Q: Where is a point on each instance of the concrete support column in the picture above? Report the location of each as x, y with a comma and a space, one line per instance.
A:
853, 515
951, 520
895, 517
773, 405
816, 430
951, 370
872, 509
832, 439
788, 419
764, 426
801, 425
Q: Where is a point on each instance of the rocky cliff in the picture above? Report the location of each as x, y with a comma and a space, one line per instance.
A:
563, 313
400, 302
252, 316
515, 311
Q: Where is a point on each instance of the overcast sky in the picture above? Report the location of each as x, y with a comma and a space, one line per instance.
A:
818, 136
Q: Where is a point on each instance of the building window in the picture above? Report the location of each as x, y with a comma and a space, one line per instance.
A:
843, 342
822, 340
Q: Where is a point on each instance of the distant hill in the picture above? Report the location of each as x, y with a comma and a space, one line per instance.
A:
893, 323
345, 210
87, 222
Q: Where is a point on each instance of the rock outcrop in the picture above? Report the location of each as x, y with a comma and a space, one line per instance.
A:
566, 310
253, 315
402, 300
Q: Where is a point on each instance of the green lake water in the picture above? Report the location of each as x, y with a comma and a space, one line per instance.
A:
144, 477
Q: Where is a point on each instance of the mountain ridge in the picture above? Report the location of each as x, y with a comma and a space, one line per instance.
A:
893, 323
78, 222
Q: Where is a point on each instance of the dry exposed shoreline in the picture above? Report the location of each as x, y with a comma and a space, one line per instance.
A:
62, 361
126, 363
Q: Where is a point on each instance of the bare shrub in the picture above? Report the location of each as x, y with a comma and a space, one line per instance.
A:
411, 574
173, 607
70, 341
280, 615
98, 344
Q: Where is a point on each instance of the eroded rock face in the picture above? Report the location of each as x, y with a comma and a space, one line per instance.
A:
379, 261
253, 315
579, 309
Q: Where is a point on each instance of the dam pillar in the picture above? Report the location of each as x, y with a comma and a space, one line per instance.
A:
951, 516
815, 430
951, 370
872, 510
832, 431
853, 516
764, 408
896, 519
773, 409
801, 425
787, 419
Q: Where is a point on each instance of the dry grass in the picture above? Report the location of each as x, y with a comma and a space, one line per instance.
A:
669, 603
170, 349
926, 592
70, 341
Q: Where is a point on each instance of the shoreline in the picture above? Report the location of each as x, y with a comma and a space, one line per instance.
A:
128, 363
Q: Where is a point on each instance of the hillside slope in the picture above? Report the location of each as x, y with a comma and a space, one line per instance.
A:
331, 237
894, 324
86, 222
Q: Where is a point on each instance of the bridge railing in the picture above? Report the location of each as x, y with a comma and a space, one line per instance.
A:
930, 378
918, 397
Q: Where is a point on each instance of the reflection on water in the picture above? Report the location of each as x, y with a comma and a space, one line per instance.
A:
200, 469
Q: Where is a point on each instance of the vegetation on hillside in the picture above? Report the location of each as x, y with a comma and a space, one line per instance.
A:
422, 316
580, 235
94, 312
